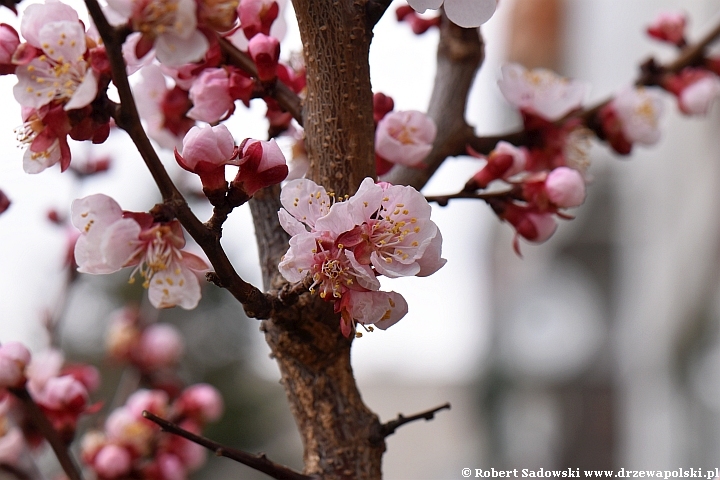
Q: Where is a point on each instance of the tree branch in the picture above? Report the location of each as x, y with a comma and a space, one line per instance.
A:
459, 56
257, 462
254, 301
43, 425
375, 10
387, 429
651, 74
285, 97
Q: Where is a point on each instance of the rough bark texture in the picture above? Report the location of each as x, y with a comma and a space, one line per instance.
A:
314, 357
339, 131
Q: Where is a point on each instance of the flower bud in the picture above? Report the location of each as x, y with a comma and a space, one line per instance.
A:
261, 164
565, 187
265, 52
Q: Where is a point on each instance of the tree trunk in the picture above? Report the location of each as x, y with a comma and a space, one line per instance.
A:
335, 425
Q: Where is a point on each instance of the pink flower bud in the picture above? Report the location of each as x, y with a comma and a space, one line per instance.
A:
669, 27
265, 52
261, 164
405, 137
698, 97
565, 187
503, 162
206, 151
112, 461
63, 393
201, 401
210, 95
154, 401
382, 105
161, 345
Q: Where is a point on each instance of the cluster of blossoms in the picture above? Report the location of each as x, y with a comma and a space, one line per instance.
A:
205, 84
59, 68
62, 391
381, 230
130, 446
696, 87
152, 349
207, 151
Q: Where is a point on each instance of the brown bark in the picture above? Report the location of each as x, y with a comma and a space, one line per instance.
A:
314, 358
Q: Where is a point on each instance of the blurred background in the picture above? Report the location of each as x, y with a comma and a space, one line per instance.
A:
599, 349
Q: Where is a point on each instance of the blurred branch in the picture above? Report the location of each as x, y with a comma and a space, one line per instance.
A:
14, 471
443, 200
126, 116
459, 56
387, 429
257, 462
285, 97
43, 425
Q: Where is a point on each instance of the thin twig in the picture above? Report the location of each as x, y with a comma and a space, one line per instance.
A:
257, 462
254, 301
285, 97
443, 200
387, 429
43, 425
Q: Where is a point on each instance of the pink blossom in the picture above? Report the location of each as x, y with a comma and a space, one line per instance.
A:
127, 429
61, 72
405, 137
565, 187
696, 89
265, 52
168, 25
200, 401
210, 95
112, 461
112, 239
162, 108
261, 164
698, 96
37, 15
160, 345
465, 13
669, 27
639, 110
541, 92
44, 132
382, 309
